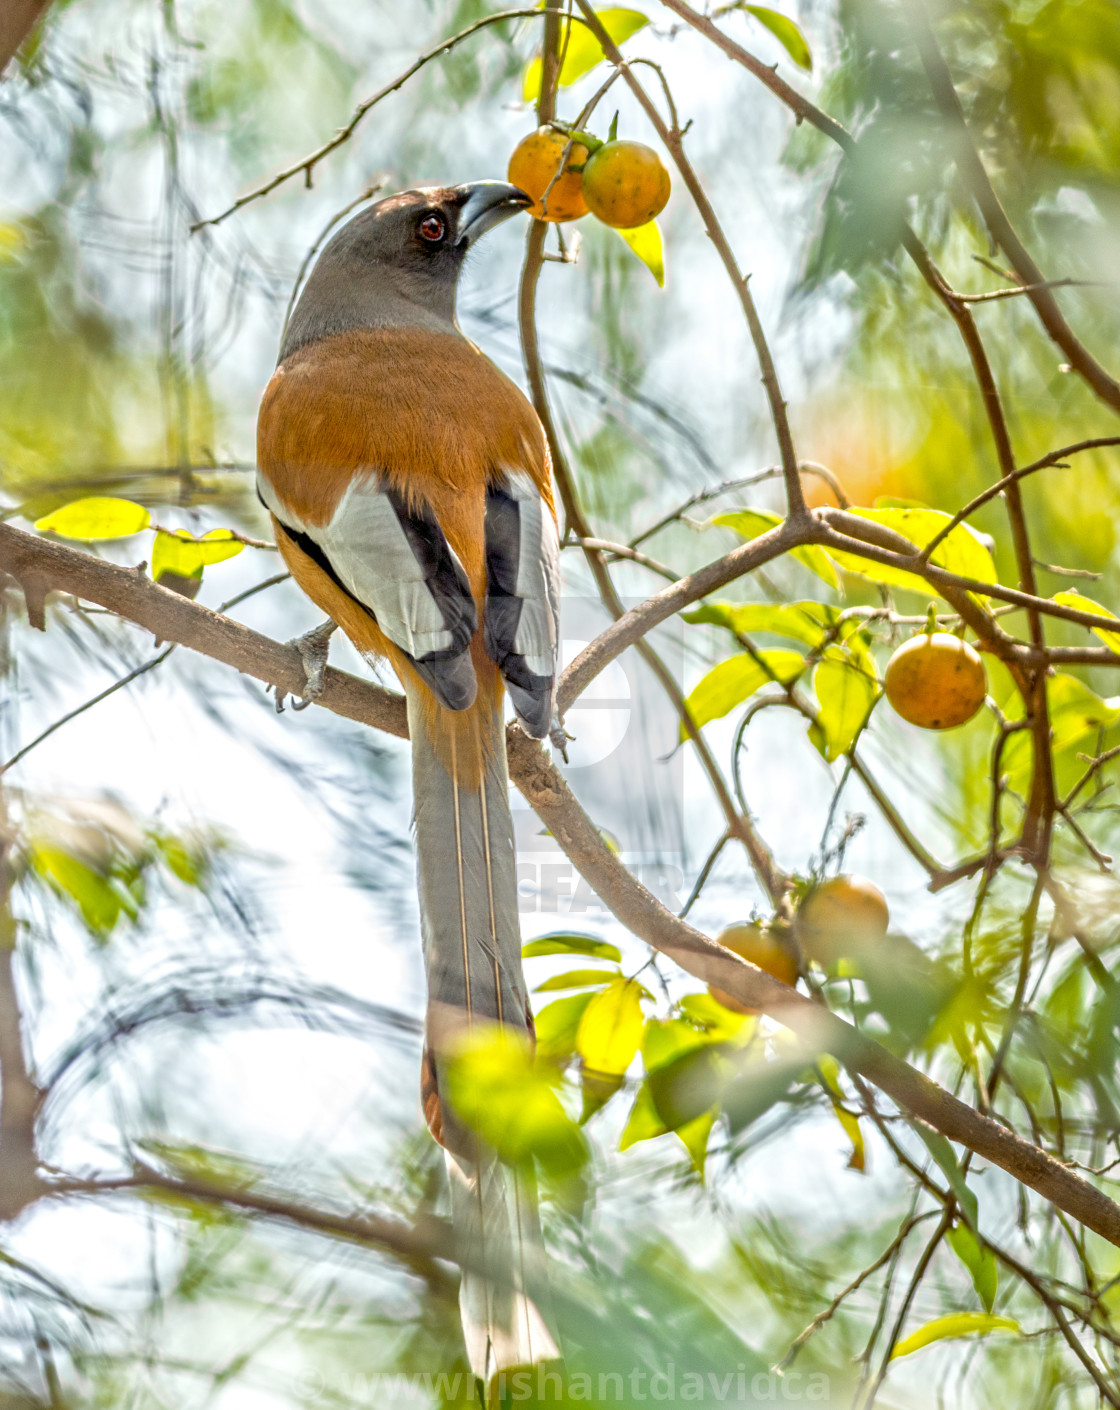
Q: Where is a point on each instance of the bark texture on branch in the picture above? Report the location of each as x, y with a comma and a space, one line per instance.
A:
17, 19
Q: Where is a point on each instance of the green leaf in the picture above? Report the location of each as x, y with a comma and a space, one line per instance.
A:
846, 691
785, 32
749, 523
806, 622
717, 1021
1086, 604
1076, 715
188, 864
761, 1085
694, 1136
961, 552
98, 900
557, 1024
957, 1324
945, 1157
98, 517
499, 1090
645, 241
643, 1123
576, 979
181, 553
666, 1039
565, 944
690, 1084
980, 1261
611, 1028
735, 680
581, 50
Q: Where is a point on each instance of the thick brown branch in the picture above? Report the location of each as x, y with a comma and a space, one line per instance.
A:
635, 624
17, 19
175, 618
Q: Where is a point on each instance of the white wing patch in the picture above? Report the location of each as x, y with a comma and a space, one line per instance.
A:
399, 566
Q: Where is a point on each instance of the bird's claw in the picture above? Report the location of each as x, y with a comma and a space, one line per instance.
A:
558, 736
313, 647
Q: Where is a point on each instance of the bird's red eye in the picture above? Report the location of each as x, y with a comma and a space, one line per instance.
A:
432, 227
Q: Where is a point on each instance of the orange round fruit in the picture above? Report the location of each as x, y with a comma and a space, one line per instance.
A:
625, 184
762, 948
936, 681
535, 161
841, 917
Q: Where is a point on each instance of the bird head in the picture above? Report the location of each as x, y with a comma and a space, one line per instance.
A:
397, 263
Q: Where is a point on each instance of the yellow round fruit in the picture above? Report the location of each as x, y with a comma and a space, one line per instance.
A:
762, 948
625, 184
841, 917
535, 161
936, 681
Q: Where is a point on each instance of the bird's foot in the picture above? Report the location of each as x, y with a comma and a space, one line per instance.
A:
313, 647
559, 736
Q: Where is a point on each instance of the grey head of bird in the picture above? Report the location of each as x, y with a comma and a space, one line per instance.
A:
397, 263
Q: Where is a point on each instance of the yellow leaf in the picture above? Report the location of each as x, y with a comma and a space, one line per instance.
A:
750, 523
785, 32
958, 1324
98, 517
581, 50
611, 1027
13, 238
180, 552
1086, 604
858, 1158
736, 679
645, 241
961, 551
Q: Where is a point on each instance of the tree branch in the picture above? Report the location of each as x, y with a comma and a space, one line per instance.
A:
673, 140
1036, 286
308, 164
131, 595
17, 19
419, 1245
20, 1098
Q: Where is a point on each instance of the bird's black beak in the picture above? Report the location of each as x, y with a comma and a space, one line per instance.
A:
484, 204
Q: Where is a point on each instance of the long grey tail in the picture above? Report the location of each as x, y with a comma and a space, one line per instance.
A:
472, 950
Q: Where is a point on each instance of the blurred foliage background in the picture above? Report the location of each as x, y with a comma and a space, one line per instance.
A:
217, 957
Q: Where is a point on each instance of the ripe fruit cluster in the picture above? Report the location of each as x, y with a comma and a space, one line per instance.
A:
841, 918
623, 184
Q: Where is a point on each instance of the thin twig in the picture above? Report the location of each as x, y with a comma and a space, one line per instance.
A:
807, 467
672, 138
88, 705
857, 1282
971, 168
133, 596
995, 294
1054, 458
308, 164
